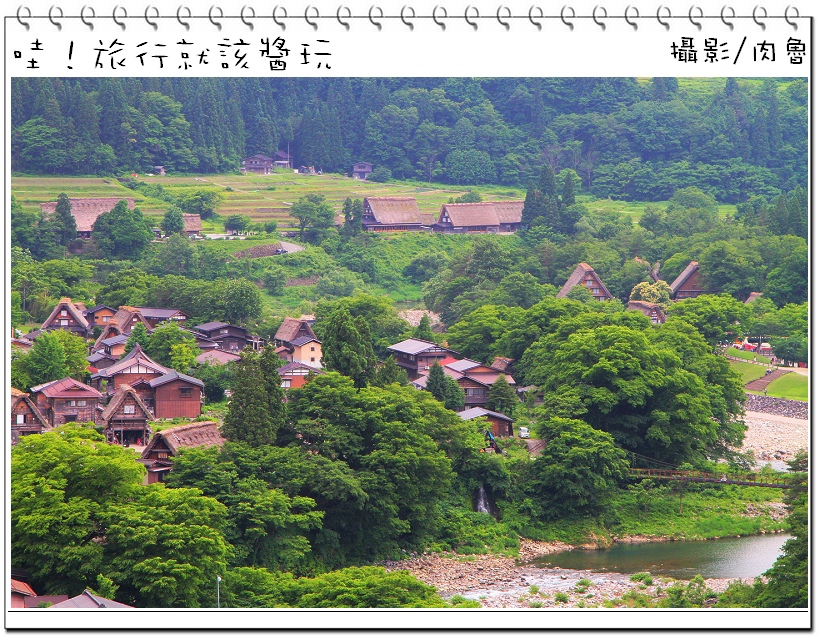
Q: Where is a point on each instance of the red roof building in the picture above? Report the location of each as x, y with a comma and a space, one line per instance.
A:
66, 400
25, 416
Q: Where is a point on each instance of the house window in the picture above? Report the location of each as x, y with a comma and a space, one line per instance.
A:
162, 455
80, 403
71, 418
223, 331
286, 383
185, 392
21, 419
475, 391
63, 321
130, 409
105, 319
312, 349
71, 403
63, 313
312, 360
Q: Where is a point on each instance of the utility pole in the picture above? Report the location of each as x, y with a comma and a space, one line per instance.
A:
218, 592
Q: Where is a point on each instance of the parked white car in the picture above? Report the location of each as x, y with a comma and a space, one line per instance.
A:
524, 433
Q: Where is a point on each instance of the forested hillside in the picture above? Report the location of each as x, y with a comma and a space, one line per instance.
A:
627, 138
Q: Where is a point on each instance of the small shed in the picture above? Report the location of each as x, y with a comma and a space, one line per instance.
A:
158, 455
501, 425
361, 170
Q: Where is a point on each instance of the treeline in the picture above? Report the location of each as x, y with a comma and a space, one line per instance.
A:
625, 138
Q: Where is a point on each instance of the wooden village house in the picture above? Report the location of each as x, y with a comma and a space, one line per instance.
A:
67, 316
473, 377
123, 322
258, 164
283, 159
155, 315
688, 284
296, 343
86, 210
193, 225
229, 338
165, 392
391, 214
584, 275
361, 170
416, 356
653, 311
125, 418
500, 424
66, 400
487, 216
294, 375
99, 315
158, 455
216, 357
25, 416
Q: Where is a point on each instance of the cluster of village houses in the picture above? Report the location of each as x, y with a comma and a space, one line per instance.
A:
127, 392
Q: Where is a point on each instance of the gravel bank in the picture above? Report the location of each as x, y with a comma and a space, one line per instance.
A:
499, 582
778, 406
775, 439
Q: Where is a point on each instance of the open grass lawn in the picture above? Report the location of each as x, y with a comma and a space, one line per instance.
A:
748, 356
793, 386
748, 371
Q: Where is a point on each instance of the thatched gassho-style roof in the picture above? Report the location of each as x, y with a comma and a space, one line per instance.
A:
86, 210
197, 434
122, 392
291, 327
688, 272
485, 213
576, 278
18, 396
135, 357
193, 222
394, 210
66, 304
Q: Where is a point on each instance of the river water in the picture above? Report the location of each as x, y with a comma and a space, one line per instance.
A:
724, 558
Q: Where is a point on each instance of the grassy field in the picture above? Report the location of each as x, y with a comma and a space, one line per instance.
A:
748, 371
793, 386
748, 356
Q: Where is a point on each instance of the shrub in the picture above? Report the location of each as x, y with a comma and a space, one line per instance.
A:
584, 582
561, 598
643, 577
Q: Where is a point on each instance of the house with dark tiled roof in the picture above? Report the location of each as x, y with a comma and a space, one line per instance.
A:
283, 159
67, 316
416, 356
391, 214
485, 216
474, 378
584, 275
155, 315
653, 311
25, 416
361, 170
501, 425
295, 374
66, 400
86, 210
216, 357
230, 338
258, 164
99, 315
125, 418
88, 600
688, 284
158, 455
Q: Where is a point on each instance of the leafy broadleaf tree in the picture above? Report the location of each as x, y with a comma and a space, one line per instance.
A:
173, 222
577, 470
139, 334
122, 233
46, 361
389, 372
75, 349
313, 213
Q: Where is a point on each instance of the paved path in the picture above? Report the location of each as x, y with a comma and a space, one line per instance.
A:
758, 415
291, 247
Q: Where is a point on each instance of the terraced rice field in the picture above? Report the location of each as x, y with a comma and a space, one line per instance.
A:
260, 197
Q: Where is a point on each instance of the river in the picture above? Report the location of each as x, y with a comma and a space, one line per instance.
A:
724, 558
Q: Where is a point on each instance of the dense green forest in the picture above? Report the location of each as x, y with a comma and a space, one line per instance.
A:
626, 138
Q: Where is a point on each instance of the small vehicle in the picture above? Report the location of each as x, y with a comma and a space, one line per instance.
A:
280, 251
524, 433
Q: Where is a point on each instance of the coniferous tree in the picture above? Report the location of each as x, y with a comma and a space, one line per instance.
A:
424, 329
454, 397
269, 362
389, 372
347, 346
139, 334
436, 382
248, 417
501, 396
64, 223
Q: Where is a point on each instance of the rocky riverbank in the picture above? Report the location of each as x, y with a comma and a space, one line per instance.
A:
775, 438
777, 406
499, 582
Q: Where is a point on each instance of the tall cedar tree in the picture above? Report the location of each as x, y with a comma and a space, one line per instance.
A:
436, 383
63, 221
270, 362
501, 396
347, 346
248, 417
389, 372
454, 397
424, 329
